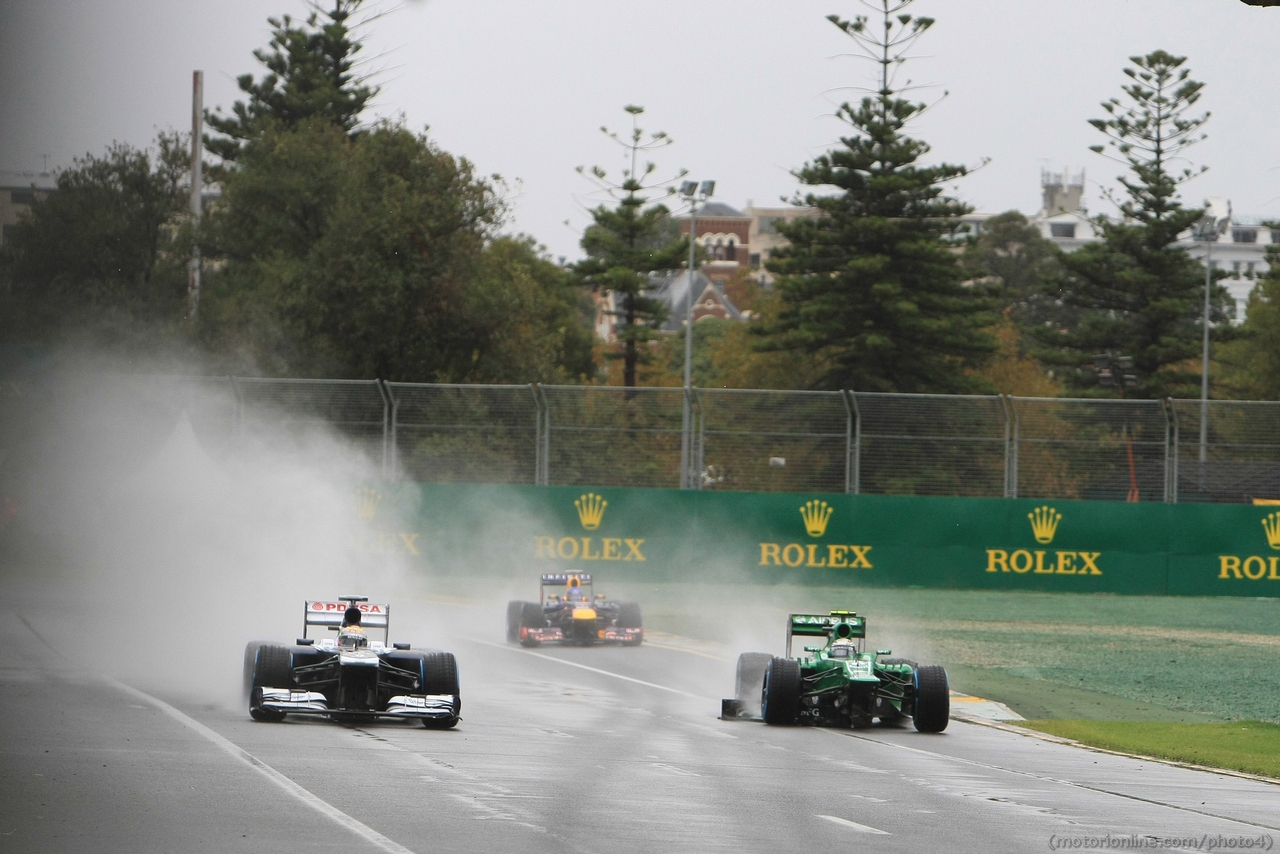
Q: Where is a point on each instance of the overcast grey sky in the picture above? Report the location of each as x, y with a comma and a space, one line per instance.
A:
746, 89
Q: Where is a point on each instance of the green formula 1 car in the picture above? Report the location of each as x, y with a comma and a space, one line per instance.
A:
838, 684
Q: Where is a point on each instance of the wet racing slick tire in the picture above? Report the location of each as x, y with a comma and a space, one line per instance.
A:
749, 680
441, 677
272, 668
780, 696
514, 610
933, 698
629, 618
250, 658
531, 618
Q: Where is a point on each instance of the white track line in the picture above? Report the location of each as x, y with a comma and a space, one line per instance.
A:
307, 797
1048, 779
592, 669
862, 828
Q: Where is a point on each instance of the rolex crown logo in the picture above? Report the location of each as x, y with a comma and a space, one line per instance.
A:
1044, 523
367, 500
590, 510
816, 514
1271, 525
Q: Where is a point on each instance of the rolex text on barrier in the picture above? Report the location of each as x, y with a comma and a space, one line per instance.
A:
878, 540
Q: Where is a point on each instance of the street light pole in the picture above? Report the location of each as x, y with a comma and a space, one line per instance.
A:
694, 193
1204, 364
1212, 224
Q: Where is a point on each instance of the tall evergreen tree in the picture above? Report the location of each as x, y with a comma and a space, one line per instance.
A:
1139, 294
310, 75
871, 288
627, 242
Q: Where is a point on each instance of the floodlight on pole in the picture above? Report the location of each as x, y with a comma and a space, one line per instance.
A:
694, 194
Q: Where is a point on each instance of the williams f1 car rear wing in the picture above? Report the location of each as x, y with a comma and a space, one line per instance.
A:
334, 614
842, 624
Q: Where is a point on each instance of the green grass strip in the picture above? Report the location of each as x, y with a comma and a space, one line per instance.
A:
1250, 746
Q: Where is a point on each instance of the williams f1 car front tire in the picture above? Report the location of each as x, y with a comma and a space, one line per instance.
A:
440, 676
272, 668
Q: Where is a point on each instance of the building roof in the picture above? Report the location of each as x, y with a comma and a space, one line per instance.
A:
673, 291
26, 180
720, 209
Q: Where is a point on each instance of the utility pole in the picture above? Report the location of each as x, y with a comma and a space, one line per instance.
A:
197, 187
694, 193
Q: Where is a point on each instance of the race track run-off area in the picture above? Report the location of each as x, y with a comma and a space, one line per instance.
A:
559, 750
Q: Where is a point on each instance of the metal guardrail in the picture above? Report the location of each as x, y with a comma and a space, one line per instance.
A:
746, 440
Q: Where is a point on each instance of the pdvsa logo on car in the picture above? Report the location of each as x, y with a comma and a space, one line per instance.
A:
1255, 567
816, 514
341, 607
1044, 527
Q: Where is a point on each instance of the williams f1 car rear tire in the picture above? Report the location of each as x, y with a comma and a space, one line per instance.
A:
749, 680
780, 696
440, 670
933, 698
515, 614
272, 668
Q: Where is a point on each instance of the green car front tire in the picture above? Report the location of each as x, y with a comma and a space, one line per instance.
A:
780, 697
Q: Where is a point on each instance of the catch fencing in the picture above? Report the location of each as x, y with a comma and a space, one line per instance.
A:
763, 440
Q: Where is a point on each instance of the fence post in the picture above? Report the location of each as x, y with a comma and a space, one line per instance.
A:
1012, 472
686, 436
537, 435
239, 425
852, 442
543, 455
1004, 406
697, 440
386, 425
1171, 451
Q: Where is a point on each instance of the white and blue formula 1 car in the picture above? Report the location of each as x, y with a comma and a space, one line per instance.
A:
349, 676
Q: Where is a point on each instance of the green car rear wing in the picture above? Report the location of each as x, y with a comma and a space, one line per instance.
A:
842, 624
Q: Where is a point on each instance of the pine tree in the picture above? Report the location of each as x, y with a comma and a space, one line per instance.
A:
310, 75
1139, 294
627, 242
872, 288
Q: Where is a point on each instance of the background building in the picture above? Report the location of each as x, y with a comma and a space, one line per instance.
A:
17, 191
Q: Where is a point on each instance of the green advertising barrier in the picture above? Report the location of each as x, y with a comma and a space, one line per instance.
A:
896, 541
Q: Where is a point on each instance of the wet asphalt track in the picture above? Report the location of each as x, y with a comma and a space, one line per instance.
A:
562, 750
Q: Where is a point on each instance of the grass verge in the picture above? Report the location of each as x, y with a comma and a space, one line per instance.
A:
1250, 746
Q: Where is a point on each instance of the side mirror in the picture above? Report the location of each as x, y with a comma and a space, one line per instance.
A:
813, 649
306, 641
884, 652
400, 645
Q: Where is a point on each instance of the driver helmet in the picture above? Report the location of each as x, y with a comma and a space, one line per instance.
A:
842, 648
574, 591
352, 638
